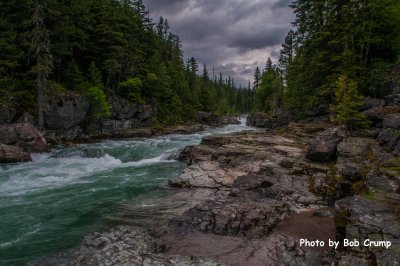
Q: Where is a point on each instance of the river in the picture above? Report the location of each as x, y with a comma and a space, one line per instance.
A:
49, 204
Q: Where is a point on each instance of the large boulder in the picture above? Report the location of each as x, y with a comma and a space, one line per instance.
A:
354, 147
23, 135
378, 114
372, 103
13, 154
66, 111
391, 138
323, 147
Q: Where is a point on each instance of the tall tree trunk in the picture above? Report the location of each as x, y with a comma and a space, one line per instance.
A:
41, 52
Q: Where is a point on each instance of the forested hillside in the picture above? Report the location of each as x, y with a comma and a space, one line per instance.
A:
102, 49
334, 45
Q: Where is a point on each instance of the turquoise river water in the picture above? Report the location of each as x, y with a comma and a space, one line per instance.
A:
49, 204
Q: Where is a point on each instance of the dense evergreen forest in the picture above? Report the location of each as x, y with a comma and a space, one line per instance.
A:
339, 51
104, 48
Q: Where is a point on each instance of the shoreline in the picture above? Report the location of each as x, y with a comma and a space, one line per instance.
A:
19, 140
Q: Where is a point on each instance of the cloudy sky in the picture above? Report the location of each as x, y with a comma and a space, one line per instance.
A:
233, 35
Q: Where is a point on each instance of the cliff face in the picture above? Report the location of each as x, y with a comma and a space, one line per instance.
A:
69, 118
65, 112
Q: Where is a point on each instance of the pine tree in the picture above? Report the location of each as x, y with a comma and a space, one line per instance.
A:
347, 104
205, 73
73, 76
94, 74
287, 52
268, 65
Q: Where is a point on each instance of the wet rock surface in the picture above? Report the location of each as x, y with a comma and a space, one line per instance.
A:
121, 246
266, 178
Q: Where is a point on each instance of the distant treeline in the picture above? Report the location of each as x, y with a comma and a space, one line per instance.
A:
104, 48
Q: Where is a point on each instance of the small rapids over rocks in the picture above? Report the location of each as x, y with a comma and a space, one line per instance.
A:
49, 204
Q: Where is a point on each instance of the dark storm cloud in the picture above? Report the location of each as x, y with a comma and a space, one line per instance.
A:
258, 39
233, 35
167, 5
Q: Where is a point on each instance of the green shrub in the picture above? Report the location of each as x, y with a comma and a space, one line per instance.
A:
130, 89
98, 101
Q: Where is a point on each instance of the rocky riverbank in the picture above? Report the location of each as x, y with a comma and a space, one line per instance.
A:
19, 140
250, 197
68, 120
